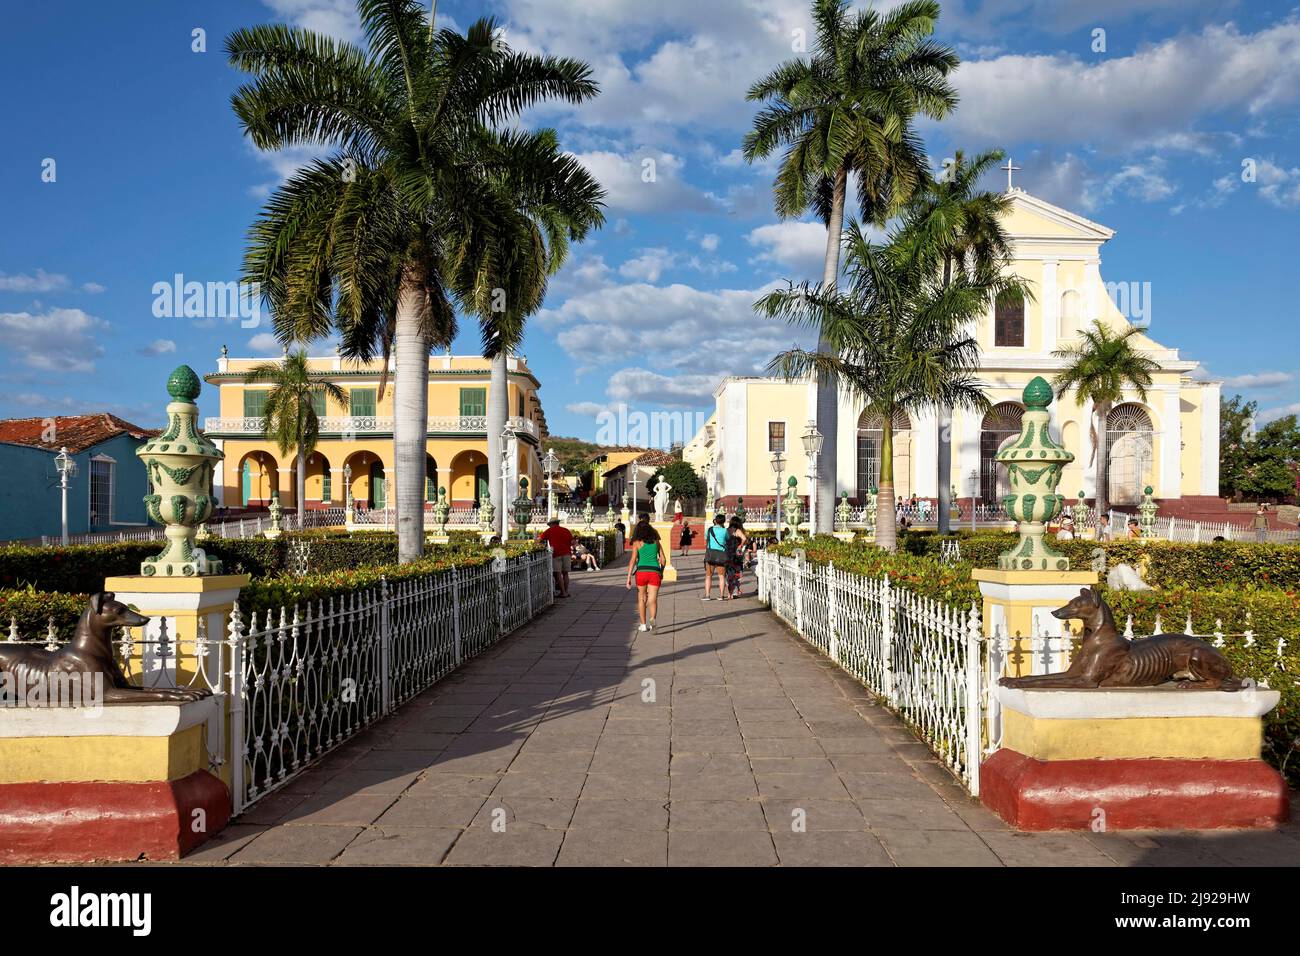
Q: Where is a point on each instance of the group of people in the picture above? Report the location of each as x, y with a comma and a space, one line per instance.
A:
727, 549
1066, 530
566, 553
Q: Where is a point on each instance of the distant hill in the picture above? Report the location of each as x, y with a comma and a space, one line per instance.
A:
575, 453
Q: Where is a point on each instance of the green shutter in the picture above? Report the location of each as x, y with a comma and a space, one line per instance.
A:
473, 402
318, 403
363, 402
254, 402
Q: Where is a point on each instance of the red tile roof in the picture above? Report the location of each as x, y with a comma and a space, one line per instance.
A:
76, 432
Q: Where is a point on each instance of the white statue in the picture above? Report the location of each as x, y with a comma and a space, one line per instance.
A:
661, 490
1123, 577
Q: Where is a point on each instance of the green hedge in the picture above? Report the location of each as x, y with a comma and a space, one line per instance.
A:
32, 610
923, 575
1163, 564
1271, 615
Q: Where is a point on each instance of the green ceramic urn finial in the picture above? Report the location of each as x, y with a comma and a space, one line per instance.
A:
179, 463
1034, 464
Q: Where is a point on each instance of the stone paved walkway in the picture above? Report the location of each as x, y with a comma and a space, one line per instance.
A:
702, 742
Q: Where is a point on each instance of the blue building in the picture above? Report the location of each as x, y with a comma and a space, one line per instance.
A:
105, 494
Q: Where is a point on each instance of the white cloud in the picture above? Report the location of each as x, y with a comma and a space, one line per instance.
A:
159, 347
1121, 102
60, 340
93, 288
1278, 185
42, 281
709, 242
265, 343
1272, 414
645, 181
799, 245
648, 266
1259, 380
687, 337
587, 409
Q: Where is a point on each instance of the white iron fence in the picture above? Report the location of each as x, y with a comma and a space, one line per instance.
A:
930, 662
301, 681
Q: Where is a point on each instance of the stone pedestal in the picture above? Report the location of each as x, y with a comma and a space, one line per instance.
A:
1133, 758
117, 782
183, 602
1019, 604
844, 535
665, 529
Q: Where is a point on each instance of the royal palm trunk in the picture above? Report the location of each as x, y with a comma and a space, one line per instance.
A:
302, 487
886, 515
827, 393
411, 422
498, 408
1102, 471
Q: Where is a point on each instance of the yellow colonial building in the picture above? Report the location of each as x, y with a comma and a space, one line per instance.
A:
1169, 441
358, 435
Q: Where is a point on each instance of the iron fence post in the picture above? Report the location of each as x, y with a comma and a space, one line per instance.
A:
385, 649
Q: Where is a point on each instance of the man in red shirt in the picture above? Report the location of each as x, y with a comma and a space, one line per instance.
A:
561, 541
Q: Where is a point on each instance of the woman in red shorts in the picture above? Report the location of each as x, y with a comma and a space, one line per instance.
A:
647, 564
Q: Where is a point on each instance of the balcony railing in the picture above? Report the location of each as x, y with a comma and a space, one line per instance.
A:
371, 425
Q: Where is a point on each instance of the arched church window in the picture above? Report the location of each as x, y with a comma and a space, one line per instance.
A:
1130, 444
1001, 424
1071, 314
870, 435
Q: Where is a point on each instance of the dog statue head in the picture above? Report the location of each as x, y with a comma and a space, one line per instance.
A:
107, 611
1086, 607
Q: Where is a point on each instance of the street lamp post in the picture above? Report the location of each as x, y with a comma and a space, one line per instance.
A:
507, 436
812, 446
66, 467
778, 466
632, 469
974, 495
550, 465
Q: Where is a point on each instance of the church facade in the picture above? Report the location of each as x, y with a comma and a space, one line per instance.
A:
1169, 440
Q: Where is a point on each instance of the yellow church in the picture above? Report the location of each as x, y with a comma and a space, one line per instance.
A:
357, 438
1170, 441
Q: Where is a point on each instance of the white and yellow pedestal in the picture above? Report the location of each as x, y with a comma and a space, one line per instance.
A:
183, 602
1019, 604
113, 782
1133, 758
664, 528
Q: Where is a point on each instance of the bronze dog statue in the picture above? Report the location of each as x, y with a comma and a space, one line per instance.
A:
1108, 659
90, 653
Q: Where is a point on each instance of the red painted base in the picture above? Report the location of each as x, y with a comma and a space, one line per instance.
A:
87, 822
1133, 794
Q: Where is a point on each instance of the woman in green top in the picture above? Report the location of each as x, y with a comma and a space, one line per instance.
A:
647, 564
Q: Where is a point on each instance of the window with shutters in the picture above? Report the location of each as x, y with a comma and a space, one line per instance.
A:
473, 402
776, 437
362, 402
101, 491
1009, 322
255, 402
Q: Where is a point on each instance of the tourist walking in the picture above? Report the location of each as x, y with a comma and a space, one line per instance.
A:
647, 565
737, 545
715, 558
686, 538
1261, 523
560, 539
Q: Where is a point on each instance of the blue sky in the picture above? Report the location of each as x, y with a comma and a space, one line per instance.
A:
152, 178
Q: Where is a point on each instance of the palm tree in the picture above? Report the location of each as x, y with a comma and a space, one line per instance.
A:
409, 217
557, 203
289, 417
848, 111
1099, 368
951, 224
896, 336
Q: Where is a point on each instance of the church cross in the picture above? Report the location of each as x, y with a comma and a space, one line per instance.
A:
1010, 169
